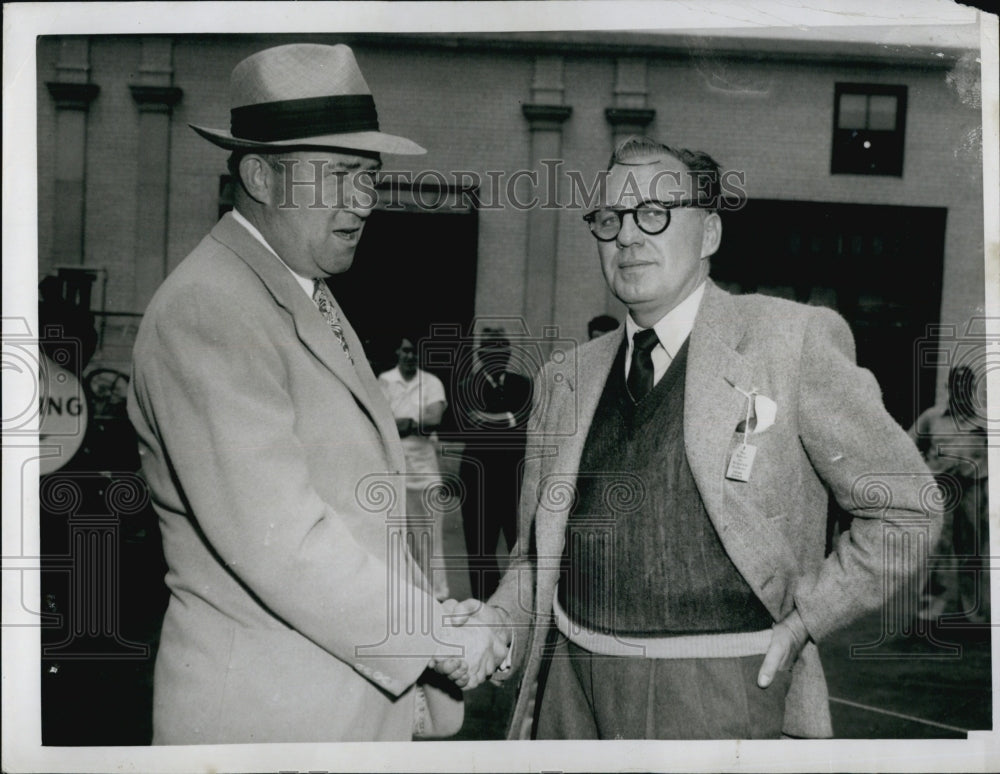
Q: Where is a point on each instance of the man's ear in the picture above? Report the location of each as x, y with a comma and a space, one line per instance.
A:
258, 178
711, 235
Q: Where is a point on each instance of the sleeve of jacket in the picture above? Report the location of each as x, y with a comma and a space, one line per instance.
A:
873, 470
216, 396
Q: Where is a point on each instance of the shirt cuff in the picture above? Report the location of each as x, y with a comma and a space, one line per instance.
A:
508, 657
507, 660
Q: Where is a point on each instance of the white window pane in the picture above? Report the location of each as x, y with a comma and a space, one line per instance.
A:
882, 112
852, 111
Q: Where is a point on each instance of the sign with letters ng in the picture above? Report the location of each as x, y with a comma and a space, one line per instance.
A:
62, 415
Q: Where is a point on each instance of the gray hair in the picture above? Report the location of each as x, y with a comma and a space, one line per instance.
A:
703, 169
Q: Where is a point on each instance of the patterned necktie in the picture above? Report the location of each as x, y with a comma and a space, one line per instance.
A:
640, 375
324, 302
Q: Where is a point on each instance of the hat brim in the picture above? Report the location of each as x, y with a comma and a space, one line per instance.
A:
378, 142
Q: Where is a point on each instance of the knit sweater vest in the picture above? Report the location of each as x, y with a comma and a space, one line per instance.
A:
642, 556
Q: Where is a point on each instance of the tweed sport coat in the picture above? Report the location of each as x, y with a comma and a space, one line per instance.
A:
831, 436
275, 468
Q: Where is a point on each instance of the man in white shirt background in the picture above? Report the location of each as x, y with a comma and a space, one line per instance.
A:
418, 403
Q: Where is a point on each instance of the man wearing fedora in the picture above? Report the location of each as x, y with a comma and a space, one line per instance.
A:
296, 613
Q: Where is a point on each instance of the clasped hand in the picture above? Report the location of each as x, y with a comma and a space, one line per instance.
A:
483, 633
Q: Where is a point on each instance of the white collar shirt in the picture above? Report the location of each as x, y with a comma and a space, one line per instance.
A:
672, 330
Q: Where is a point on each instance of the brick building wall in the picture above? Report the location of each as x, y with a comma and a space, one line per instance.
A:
771, 116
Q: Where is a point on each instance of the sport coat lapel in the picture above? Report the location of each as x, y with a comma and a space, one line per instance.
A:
594, 365
313, 330
712, 405
573, 403
713, 408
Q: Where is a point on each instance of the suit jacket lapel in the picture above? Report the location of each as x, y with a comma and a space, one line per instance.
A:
712, 405
575, 405
376, 405
313, 331
594, 365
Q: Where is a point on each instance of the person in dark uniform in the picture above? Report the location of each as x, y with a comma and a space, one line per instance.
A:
491, 406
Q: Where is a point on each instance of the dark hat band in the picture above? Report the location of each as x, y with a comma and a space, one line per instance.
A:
299, 118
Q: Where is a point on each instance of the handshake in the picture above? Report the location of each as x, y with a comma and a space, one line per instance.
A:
484, 634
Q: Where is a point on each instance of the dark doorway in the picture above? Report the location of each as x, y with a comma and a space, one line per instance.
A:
879, 266
412, 271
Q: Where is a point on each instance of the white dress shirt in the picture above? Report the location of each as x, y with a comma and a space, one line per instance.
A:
408, 400
672, 330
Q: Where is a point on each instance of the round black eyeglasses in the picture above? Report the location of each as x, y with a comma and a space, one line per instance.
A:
652, 217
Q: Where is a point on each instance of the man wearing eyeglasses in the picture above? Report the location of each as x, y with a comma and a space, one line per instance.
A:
681, 591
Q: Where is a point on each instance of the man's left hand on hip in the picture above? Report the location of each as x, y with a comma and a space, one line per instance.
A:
787, 640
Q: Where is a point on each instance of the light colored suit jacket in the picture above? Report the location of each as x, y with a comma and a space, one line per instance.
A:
831, 433
275, 468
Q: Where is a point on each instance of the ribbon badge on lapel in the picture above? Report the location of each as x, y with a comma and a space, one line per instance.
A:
760, 415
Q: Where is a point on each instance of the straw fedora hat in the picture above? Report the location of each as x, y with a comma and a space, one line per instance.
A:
303, 94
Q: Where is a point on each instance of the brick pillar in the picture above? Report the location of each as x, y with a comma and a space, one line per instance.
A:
73, 93
629, 115
546, 115
155, 96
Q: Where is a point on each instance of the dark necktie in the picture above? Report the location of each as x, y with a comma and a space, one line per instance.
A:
640, 374
324, 302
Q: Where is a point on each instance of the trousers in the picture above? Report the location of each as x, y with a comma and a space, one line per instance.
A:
588, 696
